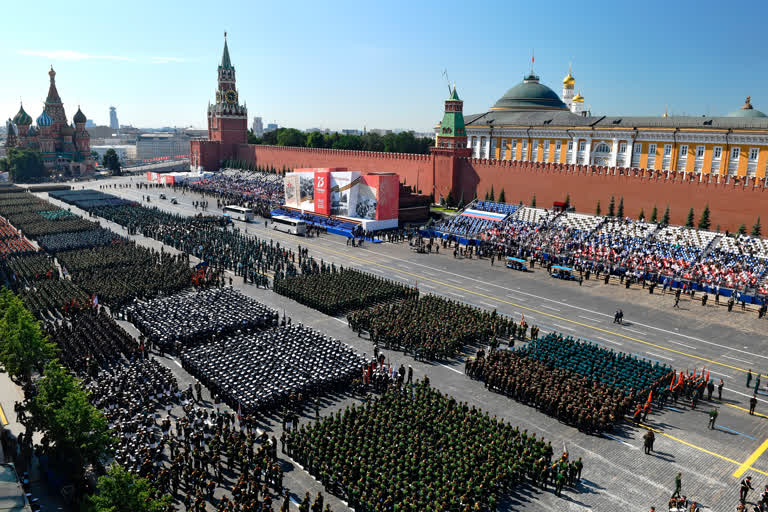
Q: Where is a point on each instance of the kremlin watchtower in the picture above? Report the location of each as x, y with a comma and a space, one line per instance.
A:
227, 121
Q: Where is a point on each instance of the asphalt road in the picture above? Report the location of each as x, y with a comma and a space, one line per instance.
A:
617, 473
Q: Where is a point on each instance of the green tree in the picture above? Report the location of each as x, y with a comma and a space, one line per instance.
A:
493, 194
654, 214
316, 140
665, 218
270, 138
291, 137
742, 229
612, 208
641, 215
487, 195
23, 347
112, 162
689, 220
567, 201
704, 222
23, 165
502, 196
533, 201
450, 202
620, 211
597, 208
757, 229
122, 491
461, 201
61, 410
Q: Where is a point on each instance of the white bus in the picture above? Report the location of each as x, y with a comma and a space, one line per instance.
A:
239, 213
289, 225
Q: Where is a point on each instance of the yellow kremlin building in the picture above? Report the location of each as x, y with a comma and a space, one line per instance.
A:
530, 122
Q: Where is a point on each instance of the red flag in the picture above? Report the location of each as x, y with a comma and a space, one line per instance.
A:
522, 318
707, 379
239, 411
650, 397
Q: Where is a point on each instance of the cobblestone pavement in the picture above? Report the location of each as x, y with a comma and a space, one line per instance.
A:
617, 474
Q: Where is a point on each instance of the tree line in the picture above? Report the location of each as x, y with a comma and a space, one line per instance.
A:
60, 409
403, 142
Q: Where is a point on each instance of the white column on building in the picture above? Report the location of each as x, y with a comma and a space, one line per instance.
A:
588, 150
575, 151
487, 148
614, 151
630, 154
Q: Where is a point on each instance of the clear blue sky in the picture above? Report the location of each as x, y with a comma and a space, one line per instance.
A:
345, 64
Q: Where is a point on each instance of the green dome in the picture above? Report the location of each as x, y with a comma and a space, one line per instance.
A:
22, 118
747, 110
530, 95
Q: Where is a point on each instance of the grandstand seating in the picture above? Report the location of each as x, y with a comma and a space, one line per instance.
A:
476, 218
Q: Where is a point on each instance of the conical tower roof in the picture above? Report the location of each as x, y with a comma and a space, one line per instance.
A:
53, 94
225, 62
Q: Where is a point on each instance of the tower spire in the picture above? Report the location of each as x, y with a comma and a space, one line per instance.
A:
225, 62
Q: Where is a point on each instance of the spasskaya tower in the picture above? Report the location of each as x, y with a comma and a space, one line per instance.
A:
227, 121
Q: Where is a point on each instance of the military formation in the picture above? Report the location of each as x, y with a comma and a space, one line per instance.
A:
190, 318
335, 292
77, 240
431, 327
583, 385
417, 449
261, 371
117, 274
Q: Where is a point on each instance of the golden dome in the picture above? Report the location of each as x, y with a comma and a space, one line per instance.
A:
578, 98
569, 80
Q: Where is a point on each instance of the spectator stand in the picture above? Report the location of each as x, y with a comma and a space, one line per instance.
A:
477, 218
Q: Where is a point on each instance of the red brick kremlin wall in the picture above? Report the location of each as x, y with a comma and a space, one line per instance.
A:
730, 204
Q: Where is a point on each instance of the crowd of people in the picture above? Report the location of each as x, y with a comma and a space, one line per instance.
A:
577, 382
431, 327
259, 191
421, 450
336, 292
58, 242
260, 371
189, 318
622, 246
31, 267
119, 273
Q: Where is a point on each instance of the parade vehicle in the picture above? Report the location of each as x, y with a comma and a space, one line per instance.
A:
517, 264
174, 200
239, 213
162, 196
561, 272
289, 225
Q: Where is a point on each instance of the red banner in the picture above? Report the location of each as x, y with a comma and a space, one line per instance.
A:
323, 192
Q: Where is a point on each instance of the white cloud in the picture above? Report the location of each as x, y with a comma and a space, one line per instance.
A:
166, 60
71, 55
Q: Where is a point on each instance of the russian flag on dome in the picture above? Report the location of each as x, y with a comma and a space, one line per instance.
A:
479, 214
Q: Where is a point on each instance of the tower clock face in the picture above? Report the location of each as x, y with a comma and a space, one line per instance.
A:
230, 97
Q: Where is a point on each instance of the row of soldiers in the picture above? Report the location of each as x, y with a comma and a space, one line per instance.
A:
432, 327
590, 406
382, 455
335, 291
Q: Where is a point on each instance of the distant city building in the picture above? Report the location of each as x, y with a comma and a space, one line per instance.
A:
64, 147
156, 145
113, 119
90, 124
270, 127
351, 132
258, 127
125, 153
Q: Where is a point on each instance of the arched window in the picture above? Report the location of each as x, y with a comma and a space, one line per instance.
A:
603, 148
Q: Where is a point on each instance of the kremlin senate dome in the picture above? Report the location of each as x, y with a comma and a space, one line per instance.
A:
747, 110
530, 95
